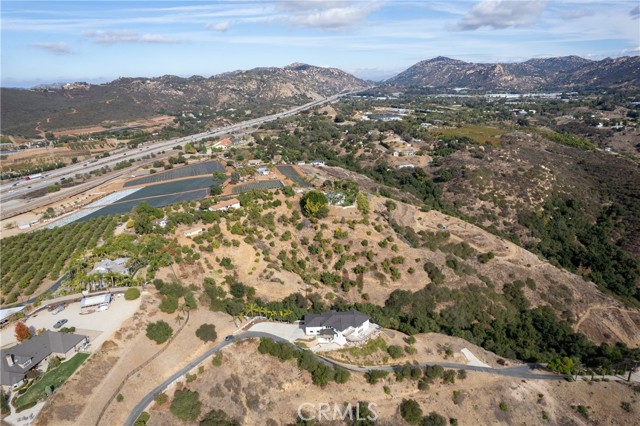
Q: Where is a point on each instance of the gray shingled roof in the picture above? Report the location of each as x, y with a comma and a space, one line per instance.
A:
36, 349
337, 320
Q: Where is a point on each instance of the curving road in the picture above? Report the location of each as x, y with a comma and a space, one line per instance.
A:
520, 372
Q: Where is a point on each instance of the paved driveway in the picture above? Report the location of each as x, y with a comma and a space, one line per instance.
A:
289, 332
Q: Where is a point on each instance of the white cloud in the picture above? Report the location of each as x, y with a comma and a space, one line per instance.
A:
327, 15
219, 26
499, 14
577, 14
57, 48
113, 37
635, 12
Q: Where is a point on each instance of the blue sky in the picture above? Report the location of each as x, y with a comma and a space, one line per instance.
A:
51, 41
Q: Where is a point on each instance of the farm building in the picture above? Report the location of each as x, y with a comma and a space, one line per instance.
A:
100, 300
193, 232
263, 171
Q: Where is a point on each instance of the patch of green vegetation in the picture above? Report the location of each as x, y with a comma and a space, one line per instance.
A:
368, 349
54, 378
482, 134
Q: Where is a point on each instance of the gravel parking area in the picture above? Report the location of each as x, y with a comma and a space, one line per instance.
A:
98, 325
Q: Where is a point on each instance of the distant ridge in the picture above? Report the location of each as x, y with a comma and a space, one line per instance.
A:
259, 90
566, 72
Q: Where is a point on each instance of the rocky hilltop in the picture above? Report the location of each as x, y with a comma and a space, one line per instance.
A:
261, 90
569, 72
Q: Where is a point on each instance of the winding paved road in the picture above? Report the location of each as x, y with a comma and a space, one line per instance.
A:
520, 372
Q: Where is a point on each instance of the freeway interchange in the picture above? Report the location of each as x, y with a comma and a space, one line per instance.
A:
13, 193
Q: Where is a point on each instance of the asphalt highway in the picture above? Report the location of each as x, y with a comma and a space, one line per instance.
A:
17, 189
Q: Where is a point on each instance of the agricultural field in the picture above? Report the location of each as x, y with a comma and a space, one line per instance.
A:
159, 195
292, 174
482, 134
158, 201
259, 185
28, 259
199, 169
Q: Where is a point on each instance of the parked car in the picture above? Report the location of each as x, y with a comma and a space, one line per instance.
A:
60, 323
228, 338
57, 309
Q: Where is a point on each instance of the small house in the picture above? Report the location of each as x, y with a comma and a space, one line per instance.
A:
225, 205
193, 232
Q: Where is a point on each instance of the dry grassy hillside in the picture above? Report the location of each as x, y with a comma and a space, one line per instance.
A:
260, 390
347, 240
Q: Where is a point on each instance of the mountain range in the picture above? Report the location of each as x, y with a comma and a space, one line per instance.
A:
261, 91
561, 73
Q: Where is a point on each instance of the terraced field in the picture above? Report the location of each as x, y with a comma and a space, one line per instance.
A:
291, 173
264, 184
205, 168
159, 195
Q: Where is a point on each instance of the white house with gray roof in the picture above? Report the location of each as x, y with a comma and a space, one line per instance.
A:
337, 327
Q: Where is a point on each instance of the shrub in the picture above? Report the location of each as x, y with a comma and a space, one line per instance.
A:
142, 419
169, 304
395, 351
583, 411
159, 331
207, 333
186, 405
161, 398
435, 275
217, 360
503, 406
373, 376
434, 419
410, 410
131, 294
449, 376
119, 398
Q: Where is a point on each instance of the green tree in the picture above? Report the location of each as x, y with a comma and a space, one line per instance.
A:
314, 204
207, 333
215, 190
186, 405
434, 419
218, 418
410, 410
362, 203
564, 365
159, 331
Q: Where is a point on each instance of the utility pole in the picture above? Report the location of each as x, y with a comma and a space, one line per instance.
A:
631, 370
